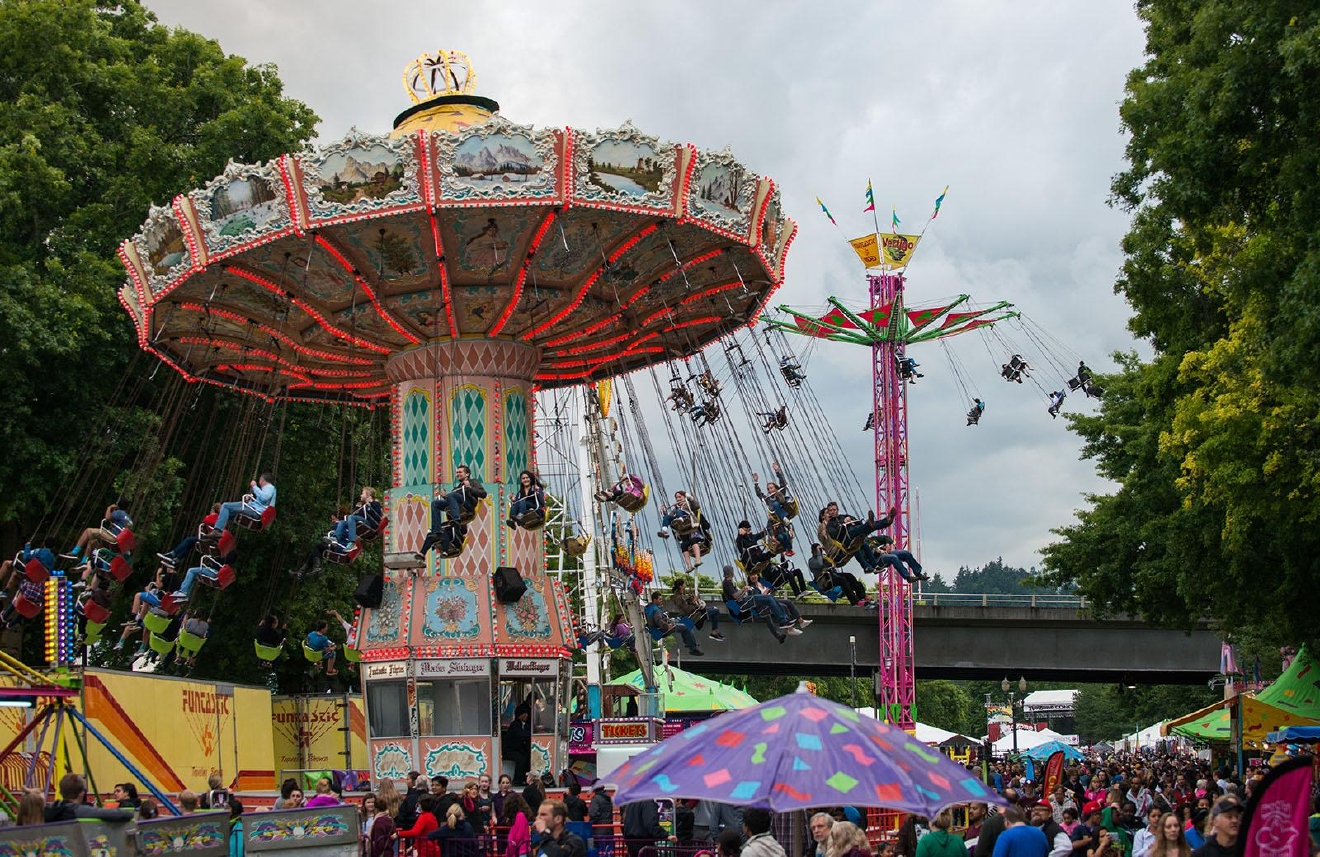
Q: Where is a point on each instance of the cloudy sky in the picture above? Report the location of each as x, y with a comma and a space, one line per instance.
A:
1013, 105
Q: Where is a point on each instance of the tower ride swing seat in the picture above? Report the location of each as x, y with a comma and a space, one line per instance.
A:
267, 654
338, 553
250, 518
756, 567
121, 537
216, 547
25, 608
160, 645
632, 500
576, 545
33, 569
106, 564
95, 613
352, 655
156, 622
532, 519
92, 632
189, 644
312, 655
218, 576
683, 525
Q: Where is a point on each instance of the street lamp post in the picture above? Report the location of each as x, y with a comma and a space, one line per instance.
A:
852, 671
1013, 704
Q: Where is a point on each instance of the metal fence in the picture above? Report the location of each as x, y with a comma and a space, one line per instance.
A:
987, 599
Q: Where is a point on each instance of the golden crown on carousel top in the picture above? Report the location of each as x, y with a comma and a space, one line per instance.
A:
446, 73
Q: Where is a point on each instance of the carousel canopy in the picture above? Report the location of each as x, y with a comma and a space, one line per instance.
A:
688, 692
608, 250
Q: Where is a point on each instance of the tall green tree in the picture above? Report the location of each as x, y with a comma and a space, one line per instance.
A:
1213, 441
103, 113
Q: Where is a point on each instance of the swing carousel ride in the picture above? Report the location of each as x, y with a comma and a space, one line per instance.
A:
448, 271
503, 292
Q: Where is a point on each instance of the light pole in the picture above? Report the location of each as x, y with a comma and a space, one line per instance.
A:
1013, 703
852, 671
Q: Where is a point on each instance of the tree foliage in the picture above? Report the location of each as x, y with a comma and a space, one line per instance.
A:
1213, 441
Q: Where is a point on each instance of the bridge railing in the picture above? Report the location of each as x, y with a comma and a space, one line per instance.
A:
988, 599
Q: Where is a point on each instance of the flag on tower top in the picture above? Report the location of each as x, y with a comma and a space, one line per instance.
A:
870, 197
827, 211
939, 200
897, 222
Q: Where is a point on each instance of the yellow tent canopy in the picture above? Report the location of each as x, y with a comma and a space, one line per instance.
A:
1214, 722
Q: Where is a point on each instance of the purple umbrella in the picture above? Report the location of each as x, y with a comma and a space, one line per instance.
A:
798, 752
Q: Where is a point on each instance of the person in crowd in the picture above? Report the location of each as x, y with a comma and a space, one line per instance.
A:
324, 795
366, 815
573, 802
190, 801
183, 549
216, 795
1225, 824
485, 801
471, 804
504, 787
1042, 818
553, 837
1144, 838
421, 829
31, 808
517, 744
388, 797
73, 804
530, 497
318, 641
383, 832
730, 843
1059, 801
444, 799
848, 840
126, 796
976, 813
1170, 841
1070, 820
1020, 839
518, 818
237, 840
1141, 796
940, 841
757, 840
263, 496
994, 826
819, 826
641, 826
417, 785
601, 815
533, 791
148, 810
683, 603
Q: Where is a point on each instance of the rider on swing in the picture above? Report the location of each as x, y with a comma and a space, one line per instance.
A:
685, 506
776, 499
974, 415
530, 497
791, 371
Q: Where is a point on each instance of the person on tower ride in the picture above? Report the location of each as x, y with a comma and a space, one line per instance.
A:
907, 369
12, 572
784, 573
690, 605
368, 513
706, 413
1056, 402
449, 535
630, 485
319, 641
530, 497
776, 497
185, 589
791, 371
462, 498
748, 543
662, 625
270, 632
180, 552
974, 414
827, 580
262, 492
34, 593
844, 528
142, 602
749, 601
777, 419
694, 542
685, 506
680, 398
791, 612
709, 384
116, 520
901, 561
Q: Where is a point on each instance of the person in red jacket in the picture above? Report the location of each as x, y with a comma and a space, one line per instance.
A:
426, 824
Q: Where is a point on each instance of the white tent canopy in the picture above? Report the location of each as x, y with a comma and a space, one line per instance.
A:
1049, 701
924, 732
1026, 739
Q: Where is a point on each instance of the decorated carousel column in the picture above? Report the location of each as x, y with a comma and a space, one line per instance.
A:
443, 644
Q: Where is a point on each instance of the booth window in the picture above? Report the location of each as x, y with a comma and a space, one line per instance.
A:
454, 707
387, 708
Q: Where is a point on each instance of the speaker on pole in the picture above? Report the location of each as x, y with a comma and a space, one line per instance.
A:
509, 585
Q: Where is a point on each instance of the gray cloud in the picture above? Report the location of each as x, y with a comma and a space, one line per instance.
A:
1012, 104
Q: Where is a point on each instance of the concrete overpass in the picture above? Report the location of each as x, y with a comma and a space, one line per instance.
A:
978, 637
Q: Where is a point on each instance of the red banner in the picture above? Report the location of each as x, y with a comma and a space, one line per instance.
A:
1053, 773
1275, 823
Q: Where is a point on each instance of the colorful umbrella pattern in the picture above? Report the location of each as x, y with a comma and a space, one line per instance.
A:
798, 752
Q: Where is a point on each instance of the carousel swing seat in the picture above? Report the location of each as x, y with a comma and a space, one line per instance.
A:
34, 570
532, 519
576, 545
249, 518
267, 653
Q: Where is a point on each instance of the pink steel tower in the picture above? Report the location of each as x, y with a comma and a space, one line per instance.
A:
888, 327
